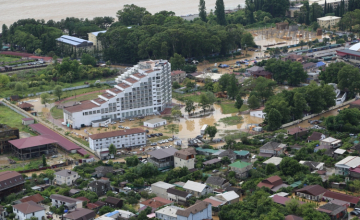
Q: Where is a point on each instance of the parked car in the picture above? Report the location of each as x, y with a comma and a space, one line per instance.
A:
131, 119
160, 134
355, 212
121, 121
54, 156
149, 136
214, 171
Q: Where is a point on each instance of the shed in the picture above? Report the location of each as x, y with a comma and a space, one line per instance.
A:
156, 122
28, 121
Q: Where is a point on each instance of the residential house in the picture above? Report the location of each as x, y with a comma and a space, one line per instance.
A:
155, 203
27, 210
185, 158
37, 198
313, 76
211, 162
348, 199
328, 21
66, 177
167, 213
258, 113
197, 189
262, 73
313, 165
26, 106
69, 203
100, 187
295, 57
242, 154
227, 197
253, 69
215, 205
339, 152
80, 214
333, 142
274, 183
297, 131
73, 191
10, 182
272, 149
296, 146
274, 160
343, 166
116, 215
160, 189
200, 210
228, 153
113, 202
162, 158
178, 76
355, 172
96, 205
101, 171
217, 182
241, 168
309, 67
355, 104
178, 196
316, 136
334, 211
311, 192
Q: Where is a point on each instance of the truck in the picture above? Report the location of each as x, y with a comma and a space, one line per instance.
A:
202, 131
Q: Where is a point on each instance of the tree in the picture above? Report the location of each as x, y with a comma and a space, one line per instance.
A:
300, 105
224, 81
253, 102
177, 62
330, 74
176, 85
176, 113
44, 160
204, 102
58, 91
4, 80
277, 8
202, 11
112, 149
220, 12
273, 119
132, 15
314, 97
4, 33
189, 106
238, 102
316, 11
87, 59
44, 98
225, 160
50, 174
232, 87
216, 87
105, 209
264, 88
211, 131
349, 78
270, 168
290, 166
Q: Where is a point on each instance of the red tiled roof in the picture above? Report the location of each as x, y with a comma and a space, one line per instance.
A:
356, 102
261, 184
116, 133
131, 80
156, 202
31, 142
342, 197
273, 179
83, 199
35, 198
314, 190
25, 105
27, 119
83, 106
28, 207
214, 203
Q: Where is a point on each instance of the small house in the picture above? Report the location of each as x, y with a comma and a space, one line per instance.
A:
241, 168
27, 121
197, 189
160, 189
311, 192
113, 202
154, 123
217, 182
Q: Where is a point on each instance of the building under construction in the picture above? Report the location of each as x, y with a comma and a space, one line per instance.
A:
7, 134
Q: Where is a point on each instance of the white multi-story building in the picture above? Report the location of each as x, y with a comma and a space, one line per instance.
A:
68, 202
119, 138
145, 89
67, 177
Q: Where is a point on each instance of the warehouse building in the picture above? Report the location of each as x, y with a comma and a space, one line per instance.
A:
7, 134
78, 45
31, 147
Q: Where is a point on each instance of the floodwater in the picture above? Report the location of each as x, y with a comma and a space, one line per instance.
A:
60, 9
38, 107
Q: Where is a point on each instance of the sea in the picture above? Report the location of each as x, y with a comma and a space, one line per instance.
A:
13, 10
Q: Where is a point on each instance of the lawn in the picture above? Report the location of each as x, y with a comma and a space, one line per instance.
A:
56, 113
232, 120
12, 119
8, 59
228, 108
84, 97
182, 97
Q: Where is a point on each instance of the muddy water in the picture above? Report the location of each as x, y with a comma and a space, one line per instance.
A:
38, 107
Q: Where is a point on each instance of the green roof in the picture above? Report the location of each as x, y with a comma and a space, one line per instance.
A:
296, 184
206, 150
242, 152
239, 164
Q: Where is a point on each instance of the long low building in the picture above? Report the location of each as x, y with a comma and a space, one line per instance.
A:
27, 148
10, 182
353, 53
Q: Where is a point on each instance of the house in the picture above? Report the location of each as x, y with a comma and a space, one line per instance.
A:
96, 205
10, 182
197, 189
160, 189
272, 149
258, 113
185, 158
339, 151
293, 217
73, 191
66, 177
227, 197
242, 154
309, 67
27, 210
355, 172
311, 192
241, 168
101, 171
355, 104
274, 160
68, 202
211, 162
316, 136
343, 166
77, 44
167, 213
155, 203
27, 121
295, 57
297, 131
178, 196
312, 76
262, 73
37, 198
217, 182
14, 98
200, 210
117, 214
162, 158
178, 76
26, 106
328, 21
340, 95
334, 211
100, 187
282, 200
84, 199
113, 202
348, 199
215, 205
253, 69
313, 165
154, 123
333, 142
229, 154
3, 213
80, 214
93, 37
274, 183
324, 147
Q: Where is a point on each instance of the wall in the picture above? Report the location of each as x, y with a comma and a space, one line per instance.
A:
38, 214
124, 141
161, 192
190, 163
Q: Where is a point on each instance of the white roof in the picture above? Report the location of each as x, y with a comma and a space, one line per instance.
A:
163, 185
327, 18
169, 211
194, 186
155, 120
283, 194
329, 140
213, 76
339, 151
228, 196
98, 32
218, 152
350, 161
355, 47
274, 160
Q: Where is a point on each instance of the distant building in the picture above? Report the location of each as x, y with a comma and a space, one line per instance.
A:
10, 182
93, 37
155, 203
250, 70
178, 76
7, 134
178, 196
78, 45
185, 158
114, 202
227, 197
27, 121
31, 147
333, 142
100, 187
274, 160
101, 171
27, 210
262, 73
67, 202
274, 183
334, 211
259, 113
168, 213
162, 158
272, 149
309, 67
297, 131
66, 177
229, 154
352, 53
295, 57
313, 165
80, 214
217, 182
311, 192
344, 166
282, 25
37, 198
154, 123
26, 106
328, 21
316, 136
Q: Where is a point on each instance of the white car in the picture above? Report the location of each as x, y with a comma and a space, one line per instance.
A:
253, 157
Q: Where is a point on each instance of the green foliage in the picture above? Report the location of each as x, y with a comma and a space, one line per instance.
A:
58, 91
349, 78
253, 102
132, 161
347, 120
112, 149
176, 85
87, 59
292, 72
44, 98
44, 160
189, 106
330, 75
132, 15
211, 131
177, 61
220, 12
105, 209
273, 119
202, 10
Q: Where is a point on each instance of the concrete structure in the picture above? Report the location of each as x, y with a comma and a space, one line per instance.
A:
80, 214
272, 149
68, 202
258, 113
162, 158
334, 211
333, 142
313, 165
178, 76
27, 121
241, 168
10, 182
185, 158
31, 147
200, 210
343, 166
154, 123
328, 21
93, 37
144, 89
311, 192
274, 160
168, 213
78, 45
178, 196
27, 210
7, 134
282, 25
66, 177
160, 189
353, 53
197, 189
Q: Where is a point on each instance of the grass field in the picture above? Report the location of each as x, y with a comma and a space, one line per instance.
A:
8, 59
232, 120
228, 108
56, 113
12, 119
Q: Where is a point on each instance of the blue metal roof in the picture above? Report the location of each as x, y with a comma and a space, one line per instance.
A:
73, 40
112, 213
318, 64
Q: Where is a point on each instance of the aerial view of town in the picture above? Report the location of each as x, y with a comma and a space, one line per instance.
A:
194, 110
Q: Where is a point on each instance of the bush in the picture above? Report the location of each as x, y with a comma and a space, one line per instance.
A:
176, 85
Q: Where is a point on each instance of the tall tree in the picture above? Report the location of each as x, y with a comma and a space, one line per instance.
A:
232, 88
349, 78
300, 105
220, 12
211, 131
253, 102
112, 149
202, 11
189, 107
58, 91
238, 102
177, 62
274, 119
131, 15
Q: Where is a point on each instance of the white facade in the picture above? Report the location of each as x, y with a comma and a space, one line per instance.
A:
22, 216
189, 163
167, 213
258, 113
197, 189
343, 167
328, 21
154, 123
333, 142
200, 214
120, 139
160, 188
67, 177
145, 89
70, 203
203, 128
